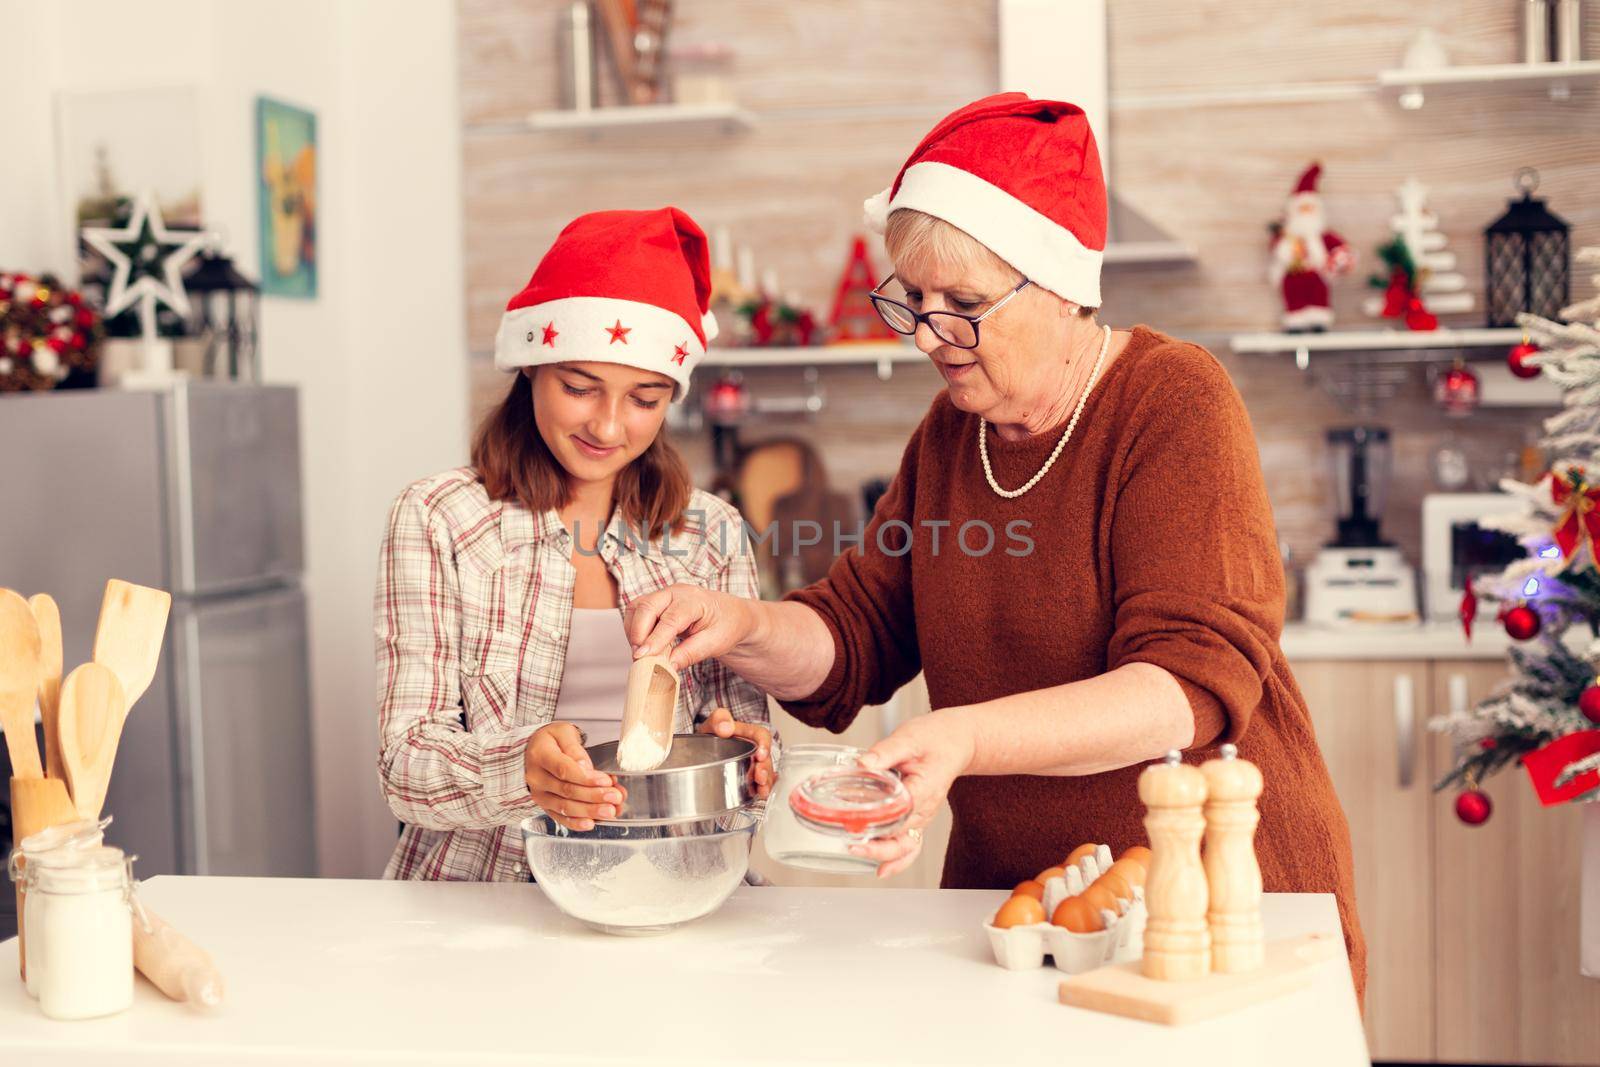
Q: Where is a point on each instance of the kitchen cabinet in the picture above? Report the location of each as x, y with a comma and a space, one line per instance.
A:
1471, 931
1370, 719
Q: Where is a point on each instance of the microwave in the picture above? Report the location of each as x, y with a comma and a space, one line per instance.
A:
1455, 546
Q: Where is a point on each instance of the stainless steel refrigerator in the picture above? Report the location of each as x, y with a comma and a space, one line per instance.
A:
194, 489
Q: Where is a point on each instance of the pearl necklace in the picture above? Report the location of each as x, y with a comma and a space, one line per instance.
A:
983, 428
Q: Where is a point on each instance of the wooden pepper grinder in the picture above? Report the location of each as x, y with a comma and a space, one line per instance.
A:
1177, 942
1234, 876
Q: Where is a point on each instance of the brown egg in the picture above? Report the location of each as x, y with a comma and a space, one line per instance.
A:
1019, 911
1048, 873
1114, 881
1100, 896
1131, 871
1030, 888
1078, 853
1139, 853
1078, 915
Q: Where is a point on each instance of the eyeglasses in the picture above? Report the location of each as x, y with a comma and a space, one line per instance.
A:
953, 328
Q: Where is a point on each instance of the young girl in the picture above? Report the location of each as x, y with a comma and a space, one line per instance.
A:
501, 586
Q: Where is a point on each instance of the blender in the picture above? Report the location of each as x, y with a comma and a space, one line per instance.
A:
1358, 577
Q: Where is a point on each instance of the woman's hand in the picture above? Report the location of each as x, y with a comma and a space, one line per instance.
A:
930, 752
723, 724
562, 780
710, 623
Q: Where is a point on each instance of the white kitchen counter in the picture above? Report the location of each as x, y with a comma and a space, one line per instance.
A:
387, 972
1433, 640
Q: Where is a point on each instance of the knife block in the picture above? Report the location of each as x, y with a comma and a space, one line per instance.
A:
36, 804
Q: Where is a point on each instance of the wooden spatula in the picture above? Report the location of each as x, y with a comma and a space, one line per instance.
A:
19, 683
48, 616
647, 714
92, 712
133, 623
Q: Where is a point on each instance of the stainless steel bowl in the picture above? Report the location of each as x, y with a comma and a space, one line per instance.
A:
633, 879
702, 777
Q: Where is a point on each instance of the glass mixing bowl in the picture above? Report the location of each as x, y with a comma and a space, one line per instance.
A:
630, 879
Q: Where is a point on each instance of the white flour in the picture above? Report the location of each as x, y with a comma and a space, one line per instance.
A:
638, 751
637, 892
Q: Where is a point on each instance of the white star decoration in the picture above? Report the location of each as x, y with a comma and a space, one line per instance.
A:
121, 295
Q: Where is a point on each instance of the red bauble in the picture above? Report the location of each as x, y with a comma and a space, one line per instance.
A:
1473, 807
1589, 704
1521, 622
1457, 391
1517, 360
1488, 744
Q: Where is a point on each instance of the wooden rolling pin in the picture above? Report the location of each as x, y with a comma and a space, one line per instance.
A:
174, 964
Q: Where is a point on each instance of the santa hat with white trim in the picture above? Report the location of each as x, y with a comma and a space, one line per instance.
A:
628, 287
1023, 178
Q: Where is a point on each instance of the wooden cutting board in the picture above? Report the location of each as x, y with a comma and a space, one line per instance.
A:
1121, 989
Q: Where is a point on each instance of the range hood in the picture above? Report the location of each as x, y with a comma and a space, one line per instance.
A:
1057, 50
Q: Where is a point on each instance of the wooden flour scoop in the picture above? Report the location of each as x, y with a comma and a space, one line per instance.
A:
647, 714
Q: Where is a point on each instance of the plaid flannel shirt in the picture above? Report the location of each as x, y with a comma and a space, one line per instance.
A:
473, 611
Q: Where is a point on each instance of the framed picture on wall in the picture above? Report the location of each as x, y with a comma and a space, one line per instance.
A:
286, 157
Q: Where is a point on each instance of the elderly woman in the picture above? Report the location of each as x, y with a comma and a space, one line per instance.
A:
1077, 551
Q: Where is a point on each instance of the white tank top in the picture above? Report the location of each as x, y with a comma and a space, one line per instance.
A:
594, 681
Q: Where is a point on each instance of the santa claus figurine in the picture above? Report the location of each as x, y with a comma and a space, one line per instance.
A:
1305, 255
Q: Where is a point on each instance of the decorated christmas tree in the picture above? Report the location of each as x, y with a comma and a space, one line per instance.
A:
1545, 716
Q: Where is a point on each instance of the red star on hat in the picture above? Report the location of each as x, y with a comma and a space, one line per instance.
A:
680, 353
619, 332
550, 334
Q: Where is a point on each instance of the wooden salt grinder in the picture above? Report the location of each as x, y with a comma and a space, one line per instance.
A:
1234, 876
1177, 943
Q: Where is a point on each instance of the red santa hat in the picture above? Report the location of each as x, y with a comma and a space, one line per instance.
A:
1308, 180
628, 287
1021, 176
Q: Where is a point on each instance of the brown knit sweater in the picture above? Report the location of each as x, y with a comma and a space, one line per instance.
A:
1152, 542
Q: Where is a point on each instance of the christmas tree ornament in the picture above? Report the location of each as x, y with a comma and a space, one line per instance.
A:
1578, 521
1565, 769
1474, 807
147, 263
1306, 256
1517, 360
1589, 703
1525, 258
1521, 622
1457, 390
1469, 608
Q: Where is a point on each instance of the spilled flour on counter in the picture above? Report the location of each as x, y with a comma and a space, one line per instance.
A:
639, 751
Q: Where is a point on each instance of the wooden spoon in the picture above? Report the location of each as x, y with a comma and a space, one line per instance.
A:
133, 623
19, 683
48, 616
647, 714
92, 712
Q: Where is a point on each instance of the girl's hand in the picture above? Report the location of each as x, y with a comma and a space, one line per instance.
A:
723, 724
710, 623
930, 752
562, 780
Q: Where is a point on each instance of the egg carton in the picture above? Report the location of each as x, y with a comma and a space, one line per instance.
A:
1019, 948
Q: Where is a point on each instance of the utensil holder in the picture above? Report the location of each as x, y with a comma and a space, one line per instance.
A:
36, 804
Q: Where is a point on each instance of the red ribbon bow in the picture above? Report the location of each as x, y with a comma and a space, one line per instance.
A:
1580, 520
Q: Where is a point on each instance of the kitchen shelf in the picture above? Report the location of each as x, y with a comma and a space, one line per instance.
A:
1557, 78
1303, 344
882, 353
686, 117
